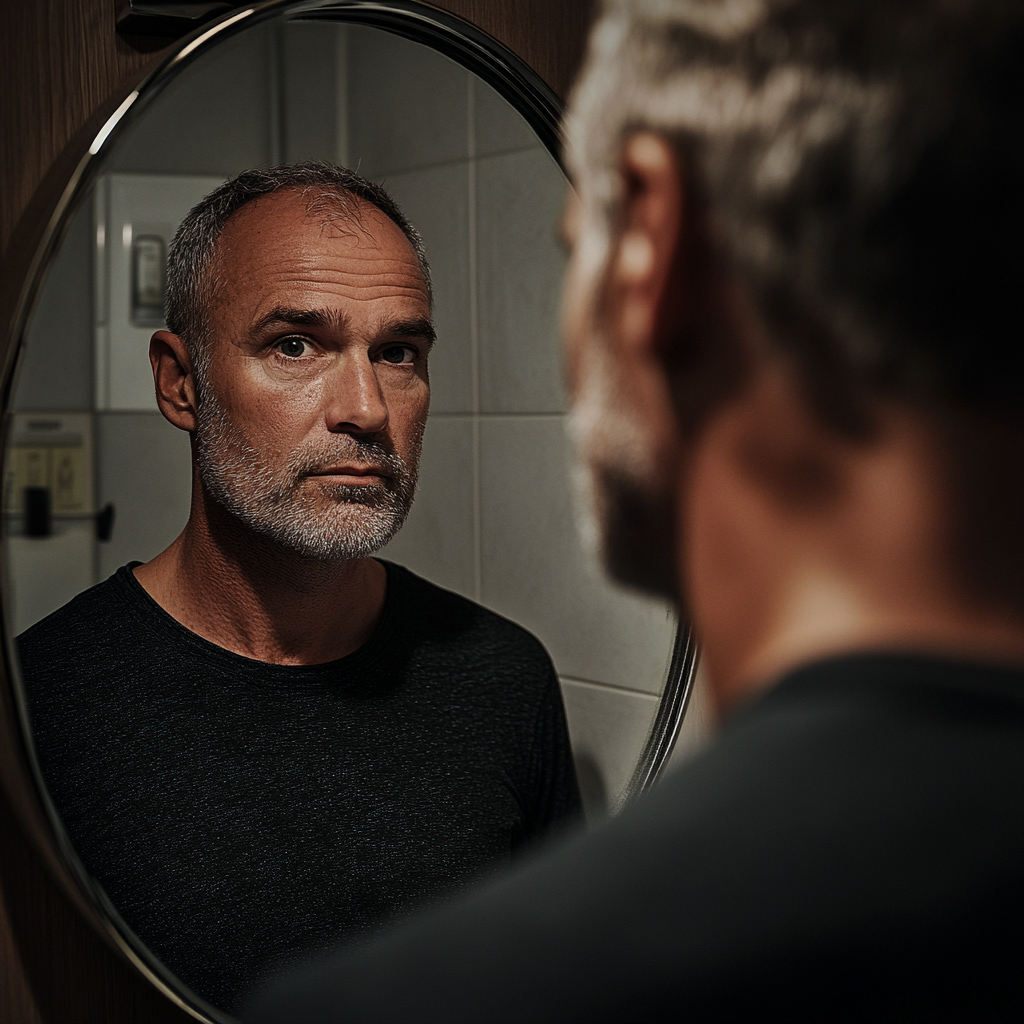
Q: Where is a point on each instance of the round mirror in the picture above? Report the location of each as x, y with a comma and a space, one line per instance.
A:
464, 139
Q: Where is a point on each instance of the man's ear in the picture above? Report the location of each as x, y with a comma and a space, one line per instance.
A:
645, 300
172, 375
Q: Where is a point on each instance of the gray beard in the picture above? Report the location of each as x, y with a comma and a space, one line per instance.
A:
623, 516
631, 530
310, 519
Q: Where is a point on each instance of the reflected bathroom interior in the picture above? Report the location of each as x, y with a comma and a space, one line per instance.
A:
95, 477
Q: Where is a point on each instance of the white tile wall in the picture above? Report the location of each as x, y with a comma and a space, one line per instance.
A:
608, 727
408, 106
438, 540
520, 197
498, 127
48, 571
213, 120
436, 200
310, 92
145, 470
56, 366
536, 571
132, 205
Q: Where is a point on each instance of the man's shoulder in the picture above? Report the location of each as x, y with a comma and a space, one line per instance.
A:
837, 716
84, 620
855, 830
455, 622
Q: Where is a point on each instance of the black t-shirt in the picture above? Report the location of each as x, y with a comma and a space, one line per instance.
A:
851, 848
239, 814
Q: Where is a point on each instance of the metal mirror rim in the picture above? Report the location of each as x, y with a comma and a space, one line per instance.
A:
533, 99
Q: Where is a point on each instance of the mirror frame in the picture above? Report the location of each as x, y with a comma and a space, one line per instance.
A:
534, 100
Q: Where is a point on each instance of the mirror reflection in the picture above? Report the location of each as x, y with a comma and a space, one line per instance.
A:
255, 752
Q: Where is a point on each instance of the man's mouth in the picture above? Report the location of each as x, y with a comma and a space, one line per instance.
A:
355, 476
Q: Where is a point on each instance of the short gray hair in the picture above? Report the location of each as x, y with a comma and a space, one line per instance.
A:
191, 252
862, 165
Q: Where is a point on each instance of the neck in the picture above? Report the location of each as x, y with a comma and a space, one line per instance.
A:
250, 596
779, 577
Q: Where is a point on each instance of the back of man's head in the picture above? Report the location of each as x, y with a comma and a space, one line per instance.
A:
861, 165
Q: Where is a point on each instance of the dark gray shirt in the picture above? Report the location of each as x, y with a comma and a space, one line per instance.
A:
850, 849
239, 814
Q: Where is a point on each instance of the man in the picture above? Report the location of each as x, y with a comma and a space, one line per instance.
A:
793, 339
264, 740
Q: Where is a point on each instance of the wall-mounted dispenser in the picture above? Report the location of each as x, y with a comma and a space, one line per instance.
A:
50, 508
135, 217
149, 278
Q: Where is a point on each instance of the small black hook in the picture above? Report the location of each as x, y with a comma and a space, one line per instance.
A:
38, 516
105, 522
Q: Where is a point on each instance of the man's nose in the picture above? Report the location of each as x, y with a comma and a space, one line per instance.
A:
354, 402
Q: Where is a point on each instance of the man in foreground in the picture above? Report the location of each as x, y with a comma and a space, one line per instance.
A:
793, 340
264, 740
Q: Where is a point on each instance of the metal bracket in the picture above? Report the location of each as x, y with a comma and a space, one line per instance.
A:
166, 18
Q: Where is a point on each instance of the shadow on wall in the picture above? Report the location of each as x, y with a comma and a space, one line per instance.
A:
590, 776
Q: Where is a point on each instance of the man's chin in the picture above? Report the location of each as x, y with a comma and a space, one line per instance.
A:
323, 527
638, 546
336, 542
324, 493
635, 534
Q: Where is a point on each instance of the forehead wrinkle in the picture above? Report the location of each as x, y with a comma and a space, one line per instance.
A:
299, 267
262, 232
311, 268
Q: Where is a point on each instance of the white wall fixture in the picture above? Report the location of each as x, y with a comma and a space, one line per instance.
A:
50, 560
136, 216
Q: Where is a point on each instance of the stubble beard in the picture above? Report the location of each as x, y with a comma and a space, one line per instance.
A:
625, 517
307, 517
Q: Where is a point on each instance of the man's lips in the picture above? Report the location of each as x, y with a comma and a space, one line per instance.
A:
356, 474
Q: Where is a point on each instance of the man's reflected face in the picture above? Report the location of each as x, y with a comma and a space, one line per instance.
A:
625, 511
312, 412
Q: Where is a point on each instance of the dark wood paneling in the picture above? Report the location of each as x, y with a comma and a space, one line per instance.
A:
63, 68
548, 34
62, 61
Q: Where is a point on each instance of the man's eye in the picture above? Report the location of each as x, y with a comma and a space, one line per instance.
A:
399, 354
293, 347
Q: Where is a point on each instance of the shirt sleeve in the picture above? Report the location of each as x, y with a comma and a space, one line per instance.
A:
555, 791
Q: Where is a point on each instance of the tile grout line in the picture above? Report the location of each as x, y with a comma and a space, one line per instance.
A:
390, 173
614, 687
275, 97
341, 131
474, 334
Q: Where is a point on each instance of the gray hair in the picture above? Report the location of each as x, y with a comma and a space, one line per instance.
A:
862, 166
329, 187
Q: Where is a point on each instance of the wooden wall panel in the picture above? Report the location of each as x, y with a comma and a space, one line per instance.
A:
62, 69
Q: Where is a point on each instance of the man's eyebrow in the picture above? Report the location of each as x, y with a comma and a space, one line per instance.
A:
418, 327
330, 319
285, 315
